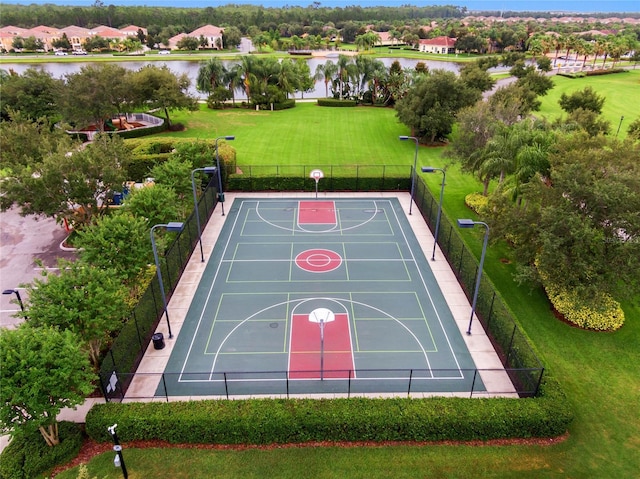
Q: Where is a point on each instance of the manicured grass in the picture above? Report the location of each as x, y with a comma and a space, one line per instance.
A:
621, 90
305, 135
597, 371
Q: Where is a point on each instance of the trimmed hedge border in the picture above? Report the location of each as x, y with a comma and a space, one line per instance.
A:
29, 456
336, 103
283, 421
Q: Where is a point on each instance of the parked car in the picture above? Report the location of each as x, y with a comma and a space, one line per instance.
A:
79, 52
164, 52
61, 53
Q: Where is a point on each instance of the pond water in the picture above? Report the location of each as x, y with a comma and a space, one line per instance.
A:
59, 70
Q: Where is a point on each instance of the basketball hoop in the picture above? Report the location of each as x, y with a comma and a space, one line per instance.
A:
322, 316
316, 175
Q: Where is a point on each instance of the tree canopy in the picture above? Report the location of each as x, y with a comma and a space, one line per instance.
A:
86, 300
43, 371
430, 107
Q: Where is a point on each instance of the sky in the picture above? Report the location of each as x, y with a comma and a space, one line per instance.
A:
575, 6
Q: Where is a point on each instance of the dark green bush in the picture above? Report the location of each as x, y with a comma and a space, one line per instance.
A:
28, 455
285, 105
267, 421
336, 103
239, 182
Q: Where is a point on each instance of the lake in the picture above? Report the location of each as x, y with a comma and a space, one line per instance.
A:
59, 70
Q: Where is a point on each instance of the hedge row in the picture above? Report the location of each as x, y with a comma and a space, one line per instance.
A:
336, 103
297, 183
28, 456
280, 421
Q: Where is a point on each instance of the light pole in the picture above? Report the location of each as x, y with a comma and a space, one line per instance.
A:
430, 169
619, 125
413, 172
119, 459
466, 223
17, 293
171, 226
220, 193
209, 170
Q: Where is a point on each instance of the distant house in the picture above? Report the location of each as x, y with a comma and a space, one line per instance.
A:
173, 41
439, 45
108, 32
212, 35
132, 30
76, 36
8, 34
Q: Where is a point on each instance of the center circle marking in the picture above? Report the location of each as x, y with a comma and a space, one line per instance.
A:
318, 260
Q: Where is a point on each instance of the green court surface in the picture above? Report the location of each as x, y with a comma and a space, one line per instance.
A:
318, 297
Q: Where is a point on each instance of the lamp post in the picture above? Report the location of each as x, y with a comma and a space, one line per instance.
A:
466, 223
17, 293
430, 169
220, 193
619, 125
171, 226
119, 459
209, 170
413, 172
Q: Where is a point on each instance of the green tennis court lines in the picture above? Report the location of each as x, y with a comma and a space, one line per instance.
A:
275, 262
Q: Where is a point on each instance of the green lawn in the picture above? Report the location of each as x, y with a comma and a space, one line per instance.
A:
598, 371
621, 90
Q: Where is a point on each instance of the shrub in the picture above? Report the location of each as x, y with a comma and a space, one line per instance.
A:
336, 103
279, 421
600, 313
476, 201
603, 313
28, 455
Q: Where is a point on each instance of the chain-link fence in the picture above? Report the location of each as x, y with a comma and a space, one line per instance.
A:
512, 346
129, 347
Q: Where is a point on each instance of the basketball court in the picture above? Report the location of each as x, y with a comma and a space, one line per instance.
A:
306, 296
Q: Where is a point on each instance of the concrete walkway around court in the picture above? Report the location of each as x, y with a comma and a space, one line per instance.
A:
496, 380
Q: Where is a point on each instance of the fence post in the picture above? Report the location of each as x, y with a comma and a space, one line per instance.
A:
135, 320
449, 240
493, 298
510, 344
473, 383
460, 262
226, 387
410, 378
166, 391
535, 393
349, 384
286, 375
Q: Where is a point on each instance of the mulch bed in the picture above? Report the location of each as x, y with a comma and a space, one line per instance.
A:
91, 448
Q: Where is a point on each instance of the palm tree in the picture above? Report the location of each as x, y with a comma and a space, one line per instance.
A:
346, 72
326, 72
584, 48
598, 49
210, 75
234, 80
287, 79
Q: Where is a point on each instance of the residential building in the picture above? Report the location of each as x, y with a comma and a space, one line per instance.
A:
439, 45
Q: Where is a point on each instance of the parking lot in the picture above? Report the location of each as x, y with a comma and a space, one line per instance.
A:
23, 241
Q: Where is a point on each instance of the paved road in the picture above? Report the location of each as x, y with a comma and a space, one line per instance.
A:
22, 242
